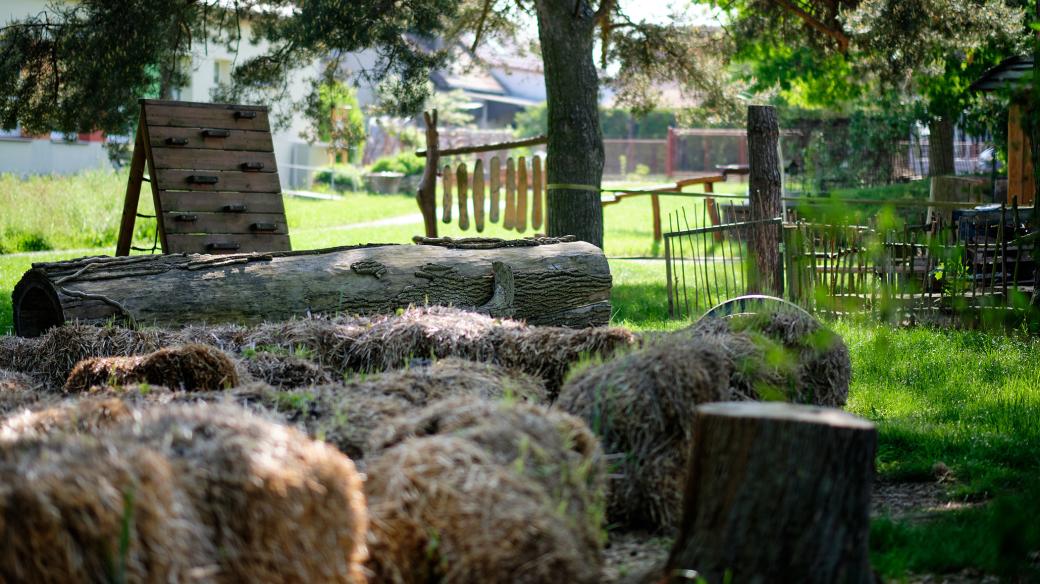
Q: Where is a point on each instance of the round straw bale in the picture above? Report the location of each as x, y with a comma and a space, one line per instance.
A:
78, 416
548, 447
783, 355
641, 406
443, 510
196, 367
285, 370
280, 507
80, 510
346, 414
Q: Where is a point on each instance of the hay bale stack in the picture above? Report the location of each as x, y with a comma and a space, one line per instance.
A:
278, 505
442, 509
348, 413
214, 493
641, 406
548, 447
189, 367
51, 357
782, 355
79, 510
285, 370
17, 391
77, 416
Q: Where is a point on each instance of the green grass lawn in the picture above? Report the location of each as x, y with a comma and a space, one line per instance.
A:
970, 400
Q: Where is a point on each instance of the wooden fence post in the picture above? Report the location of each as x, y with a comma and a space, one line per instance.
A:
427, 194
776, 492
765, 187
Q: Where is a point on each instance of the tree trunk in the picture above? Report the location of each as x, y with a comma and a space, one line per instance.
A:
566, 284
777, 493
765, 188
575, 149
940, 147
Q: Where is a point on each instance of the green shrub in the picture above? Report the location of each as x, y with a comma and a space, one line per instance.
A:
341, 177
406, 163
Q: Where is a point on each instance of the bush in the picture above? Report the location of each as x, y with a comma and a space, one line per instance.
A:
406, 163
341, 177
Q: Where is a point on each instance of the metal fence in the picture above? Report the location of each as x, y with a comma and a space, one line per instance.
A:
959, 264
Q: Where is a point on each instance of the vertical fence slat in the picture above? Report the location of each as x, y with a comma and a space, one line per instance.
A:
536, 193
521, 195
495, 188
448, 184
478, 195
462, 176
509, 221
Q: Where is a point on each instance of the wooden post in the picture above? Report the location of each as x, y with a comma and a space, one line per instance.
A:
427, 195
655, 205
133, 194
777, 492
765, 190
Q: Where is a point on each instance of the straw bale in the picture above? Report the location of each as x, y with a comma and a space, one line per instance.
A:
74, 416
346, 414
195, 367
285, 370
548, 447
641, 406
279, 507
444, 510
79, 510
17, 391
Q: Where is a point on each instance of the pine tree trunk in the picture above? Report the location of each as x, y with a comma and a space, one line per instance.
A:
575, 149
765, 189
777, 493
940, 147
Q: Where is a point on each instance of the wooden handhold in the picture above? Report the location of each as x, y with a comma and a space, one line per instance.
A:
201, 179
462, 176
211, 133
222, 246
521, 195
496, 186
235, 208
264, 227
448, 183
536, 193
509, 221
245, 115
187, 218
252, 166
478, 195
176, 141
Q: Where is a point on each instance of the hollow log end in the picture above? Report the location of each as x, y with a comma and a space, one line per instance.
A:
36, 305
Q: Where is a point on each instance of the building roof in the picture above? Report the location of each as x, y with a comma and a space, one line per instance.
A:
1008, 74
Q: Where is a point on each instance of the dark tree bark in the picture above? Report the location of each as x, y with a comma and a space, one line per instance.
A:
765, 190
575, 149
940, 147
777, 493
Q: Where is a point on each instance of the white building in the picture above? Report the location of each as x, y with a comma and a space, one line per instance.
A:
209, 66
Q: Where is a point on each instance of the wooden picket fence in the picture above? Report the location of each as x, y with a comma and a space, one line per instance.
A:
523, 183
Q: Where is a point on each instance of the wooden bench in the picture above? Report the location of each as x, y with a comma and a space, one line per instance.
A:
214, 179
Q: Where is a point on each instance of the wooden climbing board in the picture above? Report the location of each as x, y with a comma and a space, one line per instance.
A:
214, 179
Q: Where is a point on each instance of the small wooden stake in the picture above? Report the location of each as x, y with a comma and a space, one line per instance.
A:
463, 185
478, 195
496, 186
448, 178
509, 222
521, 195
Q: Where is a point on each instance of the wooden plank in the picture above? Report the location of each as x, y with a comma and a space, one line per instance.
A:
257, 182
655, 206
509, 221
222, 117
199, 243
462, 179
536, 193
448, 185
478, 195
132, 198
204, 202
257, 141
489, 147
244, 223
202, 105
153, 182
521, 195
226, 160
496, 187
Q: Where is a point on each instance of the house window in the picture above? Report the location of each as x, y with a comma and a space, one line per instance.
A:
183, 93
221, 72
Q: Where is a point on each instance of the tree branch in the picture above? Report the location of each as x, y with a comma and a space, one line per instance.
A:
838, 35
480, 25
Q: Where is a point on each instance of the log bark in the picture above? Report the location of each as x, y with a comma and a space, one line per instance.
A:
545, 282
777, 493
765, 188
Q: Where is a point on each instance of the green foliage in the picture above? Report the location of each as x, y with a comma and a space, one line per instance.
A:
334, 111
616, 122
407, 163
341, 177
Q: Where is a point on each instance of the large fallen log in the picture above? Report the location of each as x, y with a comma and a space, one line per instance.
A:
544, 281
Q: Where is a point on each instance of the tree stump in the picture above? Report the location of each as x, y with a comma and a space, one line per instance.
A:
545, 281
776, 493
